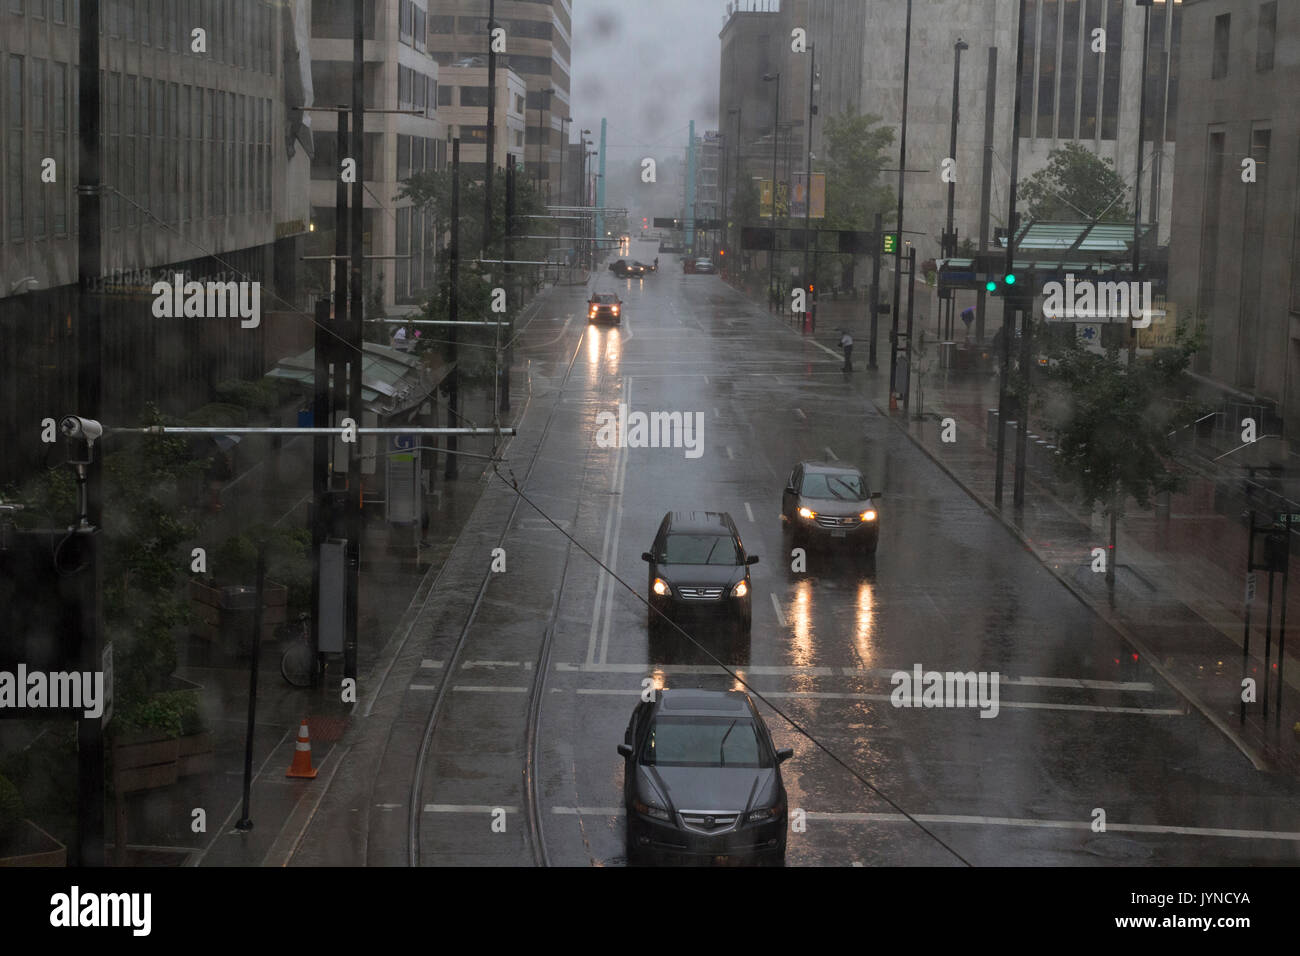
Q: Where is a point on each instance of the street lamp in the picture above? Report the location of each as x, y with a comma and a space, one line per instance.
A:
776, 115
898, 245
807, 179
949, 236
564, 148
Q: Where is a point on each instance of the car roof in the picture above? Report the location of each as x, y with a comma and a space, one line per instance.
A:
706, 522
690, 702
828, 468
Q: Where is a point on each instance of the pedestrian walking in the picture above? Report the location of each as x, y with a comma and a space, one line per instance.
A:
846, 343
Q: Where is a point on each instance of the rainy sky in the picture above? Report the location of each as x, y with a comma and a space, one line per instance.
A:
648, 67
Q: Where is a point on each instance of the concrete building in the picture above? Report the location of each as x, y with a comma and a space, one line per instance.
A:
1235, 254
399, 75
538, 49
205, 162
1069, 92
462, 102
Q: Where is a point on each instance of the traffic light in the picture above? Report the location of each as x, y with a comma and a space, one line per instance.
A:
1003, 284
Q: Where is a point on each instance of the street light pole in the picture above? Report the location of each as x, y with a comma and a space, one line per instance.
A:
547, 93
1137, 179
898, 244
776, 116
807, 178
949, 235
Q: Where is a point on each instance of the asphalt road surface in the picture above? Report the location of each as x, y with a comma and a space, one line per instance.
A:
532, 672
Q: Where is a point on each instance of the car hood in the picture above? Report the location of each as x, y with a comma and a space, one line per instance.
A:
710, 788
702, 575
837, 507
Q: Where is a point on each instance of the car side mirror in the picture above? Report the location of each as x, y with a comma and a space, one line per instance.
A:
647, 556
789, 490
752, 559
875, 495
626, 750
782, 755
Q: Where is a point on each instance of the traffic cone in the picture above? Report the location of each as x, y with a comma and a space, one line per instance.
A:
301, 766
893, 401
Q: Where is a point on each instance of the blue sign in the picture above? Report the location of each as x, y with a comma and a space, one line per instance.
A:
403, 442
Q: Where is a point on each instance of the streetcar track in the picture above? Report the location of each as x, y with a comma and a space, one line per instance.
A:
416, 803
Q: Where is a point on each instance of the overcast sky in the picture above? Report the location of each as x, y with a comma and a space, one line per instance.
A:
648, 67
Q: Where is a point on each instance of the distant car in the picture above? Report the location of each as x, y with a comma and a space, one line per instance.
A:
699, 569
626, 270
702, 780
703, 266
604, 307
828, 502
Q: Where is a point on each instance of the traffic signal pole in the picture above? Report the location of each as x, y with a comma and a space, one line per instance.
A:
898, 246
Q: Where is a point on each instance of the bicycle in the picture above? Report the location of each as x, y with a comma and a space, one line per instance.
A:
298, 664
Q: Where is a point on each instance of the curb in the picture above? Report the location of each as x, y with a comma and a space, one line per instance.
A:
1258, 760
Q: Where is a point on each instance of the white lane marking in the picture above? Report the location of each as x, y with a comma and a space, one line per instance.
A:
776, 670
749, 513
885, 698
729, 453
524, 664
466, 808
716, 413
484, 689
833, 817
589, 811
706, 379
430, 663
612, 561
799, 412
620, 473
830, 453
421, 686
776, 606
827, 351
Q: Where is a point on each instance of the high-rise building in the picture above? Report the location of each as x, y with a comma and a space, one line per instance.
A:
403, 135
1234, 258
204, 156
462, 101
538, 37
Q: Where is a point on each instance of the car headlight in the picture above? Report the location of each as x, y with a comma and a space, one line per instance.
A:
616, 310
740, 590
661, 587
807, 513
763, 814
650, 810
868, 516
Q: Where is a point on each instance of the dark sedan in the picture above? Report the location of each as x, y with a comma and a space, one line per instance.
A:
698, 568
702, 781
830, 503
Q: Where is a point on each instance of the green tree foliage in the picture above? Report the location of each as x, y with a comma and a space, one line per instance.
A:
1076, 184
855, 147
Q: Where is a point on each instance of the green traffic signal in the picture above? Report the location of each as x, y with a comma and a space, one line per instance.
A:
1011, 279
991, 286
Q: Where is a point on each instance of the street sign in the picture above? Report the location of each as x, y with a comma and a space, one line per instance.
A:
889, 242
401, 494
1250, 588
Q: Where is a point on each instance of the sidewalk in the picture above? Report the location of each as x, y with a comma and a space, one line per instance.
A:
1179, 592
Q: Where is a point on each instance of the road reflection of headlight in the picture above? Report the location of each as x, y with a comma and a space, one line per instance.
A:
593, 345
865, 621
802, 620
613, 350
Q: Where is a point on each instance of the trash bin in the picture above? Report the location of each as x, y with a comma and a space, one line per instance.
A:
947, 354
238, 615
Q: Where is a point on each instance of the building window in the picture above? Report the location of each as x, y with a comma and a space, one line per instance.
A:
473, 96
404, 18
1110, 78
1219, 63
1047, 73
59, 126
1267, 36
442, 25
128, 185
14, 159
444, 94
420, 30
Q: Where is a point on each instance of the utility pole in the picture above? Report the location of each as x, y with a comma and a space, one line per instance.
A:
547, 93
488, 166
1009, 302
950, 233
89, 848
986, 180
776, 116
355, 339
1137, 184
898, 245
808, 175
875, 291
503, 363
453, 310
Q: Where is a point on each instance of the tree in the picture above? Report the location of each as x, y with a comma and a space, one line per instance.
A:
1076, 184
1112, 422
855, 147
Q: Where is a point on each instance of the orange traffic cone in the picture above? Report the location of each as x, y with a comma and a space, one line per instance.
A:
893, 401
301, 766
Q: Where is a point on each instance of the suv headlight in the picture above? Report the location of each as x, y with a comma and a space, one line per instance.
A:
868, 516
740, 590
650, 810
807, 513
661, 588
763, 814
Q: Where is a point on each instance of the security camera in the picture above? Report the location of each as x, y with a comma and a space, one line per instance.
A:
84, 428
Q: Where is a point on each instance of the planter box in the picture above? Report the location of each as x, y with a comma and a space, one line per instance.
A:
194, 754
32, 846
144, 762
213, 617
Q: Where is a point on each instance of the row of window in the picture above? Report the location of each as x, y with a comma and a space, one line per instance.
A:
1265, 41
411, 28
416, 91
170, 152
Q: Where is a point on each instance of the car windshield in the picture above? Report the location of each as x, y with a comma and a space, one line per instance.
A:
704, 742
846, 487
701, 549
604, 299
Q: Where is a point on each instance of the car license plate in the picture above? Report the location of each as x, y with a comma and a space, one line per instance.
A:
837, 534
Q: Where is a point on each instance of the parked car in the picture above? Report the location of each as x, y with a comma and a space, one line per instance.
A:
830, 503
703, 266
702, 780
699, 569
